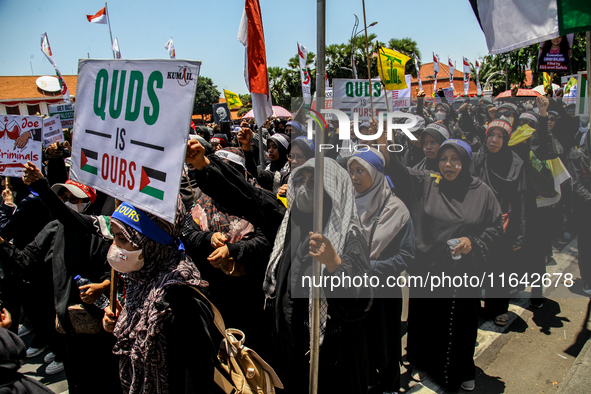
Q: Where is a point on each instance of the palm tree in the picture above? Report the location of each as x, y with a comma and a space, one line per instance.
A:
408, 47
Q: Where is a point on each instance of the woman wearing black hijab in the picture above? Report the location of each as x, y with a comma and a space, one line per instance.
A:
278, 148
503, 171
443, 323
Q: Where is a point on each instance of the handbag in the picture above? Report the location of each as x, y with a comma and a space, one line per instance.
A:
240, 370
82, 321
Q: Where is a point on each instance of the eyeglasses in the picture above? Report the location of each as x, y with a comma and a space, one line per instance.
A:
498, 115
552, 118
297, 158
300, 180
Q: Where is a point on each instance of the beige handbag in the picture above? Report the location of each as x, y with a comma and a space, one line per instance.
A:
82, 321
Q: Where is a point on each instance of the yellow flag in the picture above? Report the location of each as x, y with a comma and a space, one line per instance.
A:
571, 82
547, 82
232, 99
391, 68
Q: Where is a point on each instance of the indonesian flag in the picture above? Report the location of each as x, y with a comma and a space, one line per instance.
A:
99, 17
251, 35
170, 48
451, 70
418, 71
116, 49
467, 69
46, 49
305, 73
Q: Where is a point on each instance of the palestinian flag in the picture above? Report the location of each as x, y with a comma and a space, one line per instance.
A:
149, 175
86, 154
509, 25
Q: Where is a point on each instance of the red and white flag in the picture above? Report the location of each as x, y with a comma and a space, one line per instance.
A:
467, 69
251, 35
99, 17
46, 49
452, 69
478, 87
435, 71
418, 71
116, 49
170, 48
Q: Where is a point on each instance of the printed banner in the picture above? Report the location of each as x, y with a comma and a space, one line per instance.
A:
391, 66
554, 55
20, 141
66, 113
449, 94
305, 74
352, 96
132, 121
52, 131
401, 98
418, 72
221, 113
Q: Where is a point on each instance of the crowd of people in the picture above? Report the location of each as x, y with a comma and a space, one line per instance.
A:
482, 175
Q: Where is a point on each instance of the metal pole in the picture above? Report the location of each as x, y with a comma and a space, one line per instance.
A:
353, 35
111, 34
368, 62
261, 147
318, 192
32, 73
589, 70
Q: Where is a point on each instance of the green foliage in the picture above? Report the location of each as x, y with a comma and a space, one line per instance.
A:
407, 46
207, 94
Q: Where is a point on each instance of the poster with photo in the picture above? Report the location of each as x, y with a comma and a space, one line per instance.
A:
554, 55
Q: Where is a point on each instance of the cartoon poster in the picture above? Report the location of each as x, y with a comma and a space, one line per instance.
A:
20, 141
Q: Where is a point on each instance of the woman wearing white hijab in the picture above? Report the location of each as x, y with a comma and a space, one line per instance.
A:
388, 229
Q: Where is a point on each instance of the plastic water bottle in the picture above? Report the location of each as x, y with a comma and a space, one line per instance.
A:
102, 302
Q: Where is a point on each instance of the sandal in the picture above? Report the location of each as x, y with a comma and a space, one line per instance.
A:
502, 320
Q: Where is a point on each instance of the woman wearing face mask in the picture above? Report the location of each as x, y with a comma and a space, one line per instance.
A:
58, 254
341, 248
503, 171
443, 323
163, 319
534, 144
388, 229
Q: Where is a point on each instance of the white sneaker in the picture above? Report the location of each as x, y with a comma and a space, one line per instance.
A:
24, 330
49, 357
54, 367
33, 351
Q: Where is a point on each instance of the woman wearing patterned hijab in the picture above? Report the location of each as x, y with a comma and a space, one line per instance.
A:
341, 247
163, 331
388, 229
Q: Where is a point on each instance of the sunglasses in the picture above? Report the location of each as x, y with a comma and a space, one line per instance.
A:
498, 115
552, 118
300, 180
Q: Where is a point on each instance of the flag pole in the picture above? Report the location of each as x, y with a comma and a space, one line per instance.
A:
589, 71
368, 62
111, 34
382, 68
318, 192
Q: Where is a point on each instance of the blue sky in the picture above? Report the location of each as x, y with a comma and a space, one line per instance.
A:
207, 30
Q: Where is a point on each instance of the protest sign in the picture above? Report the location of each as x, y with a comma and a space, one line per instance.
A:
52, 131
131, 127
554, 55
221, 113
328, 95
449, 94
352, 96
66, 113
401, 98
304, 73
20, 141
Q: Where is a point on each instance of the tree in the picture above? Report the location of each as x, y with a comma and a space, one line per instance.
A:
206, 95
408, 47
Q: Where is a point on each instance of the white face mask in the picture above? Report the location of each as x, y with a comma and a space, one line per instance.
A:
124, 261
440, 115
80, 207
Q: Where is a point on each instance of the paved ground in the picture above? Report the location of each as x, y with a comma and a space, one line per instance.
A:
532, 354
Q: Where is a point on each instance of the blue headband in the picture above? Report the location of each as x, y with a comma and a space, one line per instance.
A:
374, 161
295, 125
136, 219
306, 141
459, 143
